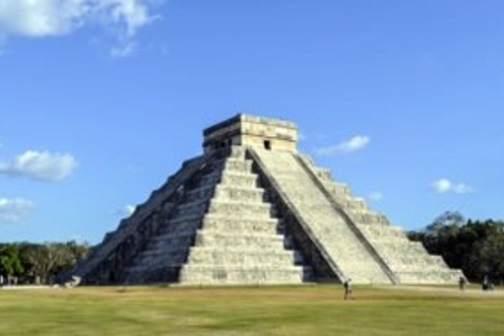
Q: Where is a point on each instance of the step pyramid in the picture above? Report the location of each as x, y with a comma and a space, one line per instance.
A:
252, 210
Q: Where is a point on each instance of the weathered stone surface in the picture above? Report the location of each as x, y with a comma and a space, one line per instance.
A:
408, 261
253, 211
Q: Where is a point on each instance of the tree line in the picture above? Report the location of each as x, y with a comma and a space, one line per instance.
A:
30, 263
474, 246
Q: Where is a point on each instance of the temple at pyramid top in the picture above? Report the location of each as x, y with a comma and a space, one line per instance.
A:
252, 210
251, 131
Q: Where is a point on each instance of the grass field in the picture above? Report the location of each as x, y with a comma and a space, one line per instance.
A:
304, 310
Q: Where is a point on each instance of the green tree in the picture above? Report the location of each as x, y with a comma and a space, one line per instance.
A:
475, 247
10, 262
45, 258
488, 253
49, 259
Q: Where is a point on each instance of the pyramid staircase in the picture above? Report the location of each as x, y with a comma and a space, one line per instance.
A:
223, 230
349, 253
408, 261
251, 210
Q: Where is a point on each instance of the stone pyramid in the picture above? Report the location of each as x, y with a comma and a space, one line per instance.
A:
252, 210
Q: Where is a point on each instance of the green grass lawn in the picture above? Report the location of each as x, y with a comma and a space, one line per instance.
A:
304, 310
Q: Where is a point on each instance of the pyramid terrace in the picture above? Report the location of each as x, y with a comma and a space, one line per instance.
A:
252, 210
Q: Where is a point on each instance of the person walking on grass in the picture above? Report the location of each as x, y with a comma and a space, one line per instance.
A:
347, 285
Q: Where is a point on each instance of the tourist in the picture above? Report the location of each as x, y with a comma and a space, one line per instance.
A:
484, 284
347, 285
462, 283
487, 283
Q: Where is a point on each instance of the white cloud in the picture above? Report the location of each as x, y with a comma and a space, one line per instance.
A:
444, 186
12, 210
352, 145
43, 166
126, 211
129, 209
44, 18
462, 188
37, 18
376, 196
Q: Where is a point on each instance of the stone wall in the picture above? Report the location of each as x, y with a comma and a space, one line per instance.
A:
245, 130
107, 261
408, 262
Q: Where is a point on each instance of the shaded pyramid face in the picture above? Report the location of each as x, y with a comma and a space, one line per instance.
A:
223, 231
216, 227
251, 210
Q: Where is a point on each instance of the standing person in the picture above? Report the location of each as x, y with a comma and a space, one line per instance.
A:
462, 283
484, 285
347, 285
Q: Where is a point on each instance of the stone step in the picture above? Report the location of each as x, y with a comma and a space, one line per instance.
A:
422, 277
244, 180
337, 189
203, 193
420, 259
232, 164
322, 173
160, 258
240, 209
179, 230
179, 223
243, 224
238, 165
210, 179
224, 274
383, 232
154, 275
190, 209
171, 239
216, 165
183, 218
416, 267
241, 256
233, 193
265, 252
400, 246
367, 217
226, 241
353, 204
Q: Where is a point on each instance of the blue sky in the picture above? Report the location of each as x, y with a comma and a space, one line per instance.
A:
102, 100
